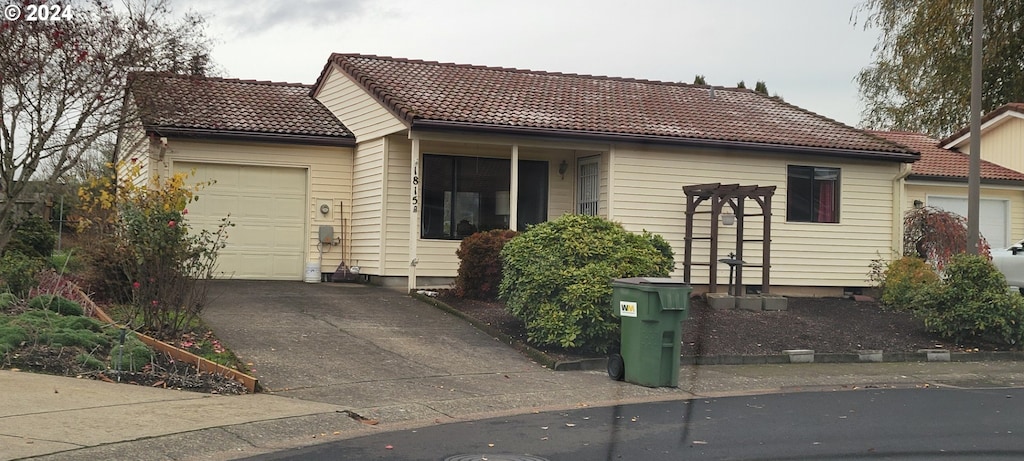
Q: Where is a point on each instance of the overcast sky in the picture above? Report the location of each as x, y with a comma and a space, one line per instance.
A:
807, 51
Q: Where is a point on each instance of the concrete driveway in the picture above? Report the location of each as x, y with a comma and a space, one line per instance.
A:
380, 351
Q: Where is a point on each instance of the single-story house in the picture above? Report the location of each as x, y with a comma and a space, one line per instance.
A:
939, 179
402, 158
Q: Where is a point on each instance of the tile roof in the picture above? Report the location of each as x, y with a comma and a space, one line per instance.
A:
450, 95
966, 131
219, 106
944, 163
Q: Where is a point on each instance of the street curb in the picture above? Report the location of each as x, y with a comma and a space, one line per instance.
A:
601, 363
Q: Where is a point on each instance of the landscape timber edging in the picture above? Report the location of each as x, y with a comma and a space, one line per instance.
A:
250, 383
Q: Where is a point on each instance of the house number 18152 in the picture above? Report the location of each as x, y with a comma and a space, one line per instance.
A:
415, 189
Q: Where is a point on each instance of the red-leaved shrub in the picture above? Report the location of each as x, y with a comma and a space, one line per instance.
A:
480, 264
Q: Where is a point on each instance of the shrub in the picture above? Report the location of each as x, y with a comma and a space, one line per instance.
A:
33, 237
557, 278
936, 235
148, 257
104, 275
7, 300
90, 362
905, 280
58, 304
480, 264
66, 262
12, 335
133, 357
973, 304
18, 272
48, 328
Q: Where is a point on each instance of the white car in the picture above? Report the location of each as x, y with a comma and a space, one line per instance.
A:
1010, 261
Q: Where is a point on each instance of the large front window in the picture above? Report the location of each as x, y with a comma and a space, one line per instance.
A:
463, 195
813, 194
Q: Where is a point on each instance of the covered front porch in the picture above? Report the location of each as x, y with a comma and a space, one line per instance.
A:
459, 185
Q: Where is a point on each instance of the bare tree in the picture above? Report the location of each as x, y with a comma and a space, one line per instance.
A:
63, 83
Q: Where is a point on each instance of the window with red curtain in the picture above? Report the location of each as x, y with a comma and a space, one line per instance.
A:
812, 194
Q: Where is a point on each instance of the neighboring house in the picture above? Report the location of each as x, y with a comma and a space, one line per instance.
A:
939, 179
1002, 137
426, 152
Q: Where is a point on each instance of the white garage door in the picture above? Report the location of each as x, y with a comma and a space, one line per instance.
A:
268, 207
992, 222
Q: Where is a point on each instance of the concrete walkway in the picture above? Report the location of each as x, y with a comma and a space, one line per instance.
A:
336, 357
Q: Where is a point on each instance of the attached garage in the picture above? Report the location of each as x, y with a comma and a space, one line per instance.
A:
993, 223
267, 206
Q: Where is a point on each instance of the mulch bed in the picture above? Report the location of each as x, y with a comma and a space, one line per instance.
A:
825, 325
162, 371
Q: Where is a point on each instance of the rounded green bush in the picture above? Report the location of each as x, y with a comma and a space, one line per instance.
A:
18, 272
973, 304
557, 278
58, 304
905, 280
33, 237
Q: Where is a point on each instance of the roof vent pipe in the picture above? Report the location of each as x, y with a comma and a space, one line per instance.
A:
711, 92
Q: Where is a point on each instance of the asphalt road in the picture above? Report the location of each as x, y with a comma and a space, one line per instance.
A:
861, 424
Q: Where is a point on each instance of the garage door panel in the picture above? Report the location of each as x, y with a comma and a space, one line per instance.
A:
268, 208
993, 220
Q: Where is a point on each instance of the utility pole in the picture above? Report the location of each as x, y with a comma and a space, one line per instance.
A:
974, 174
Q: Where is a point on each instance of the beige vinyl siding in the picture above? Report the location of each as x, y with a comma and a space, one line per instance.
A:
367, 200
920, 190
396, 236
329, 178
1004, 144
360, 113
138, 151
648, 196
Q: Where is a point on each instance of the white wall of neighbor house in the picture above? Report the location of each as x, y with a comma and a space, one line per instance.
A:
648, 195
327, 173
1012, 195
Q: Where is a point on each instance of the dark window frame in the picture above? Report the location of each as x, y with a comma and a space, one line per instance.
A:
813, 194
456, 203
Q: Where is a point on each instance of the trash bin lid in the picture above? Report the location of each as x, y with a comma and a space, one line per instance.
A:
650, 281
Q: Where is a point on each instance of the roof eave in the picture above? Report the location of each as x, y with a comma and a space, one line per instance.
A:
963, 180
904, 157
283, 138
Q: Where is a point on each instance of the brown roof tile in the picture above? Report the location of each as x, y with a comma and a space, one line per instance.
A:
220, 106
944, 163
445, 94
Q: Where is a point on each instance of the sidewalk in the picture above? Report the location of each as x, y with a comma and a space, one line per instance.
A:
56, 418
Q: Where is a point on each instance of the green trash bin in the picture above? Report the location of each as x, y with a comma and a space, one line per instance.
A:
651, 311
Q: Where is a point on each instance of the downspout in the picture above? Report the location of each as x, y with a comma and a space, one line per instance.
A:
898, 194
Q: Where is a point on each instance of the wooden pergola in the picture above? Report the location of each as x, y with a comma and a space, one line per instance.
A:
733, 195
